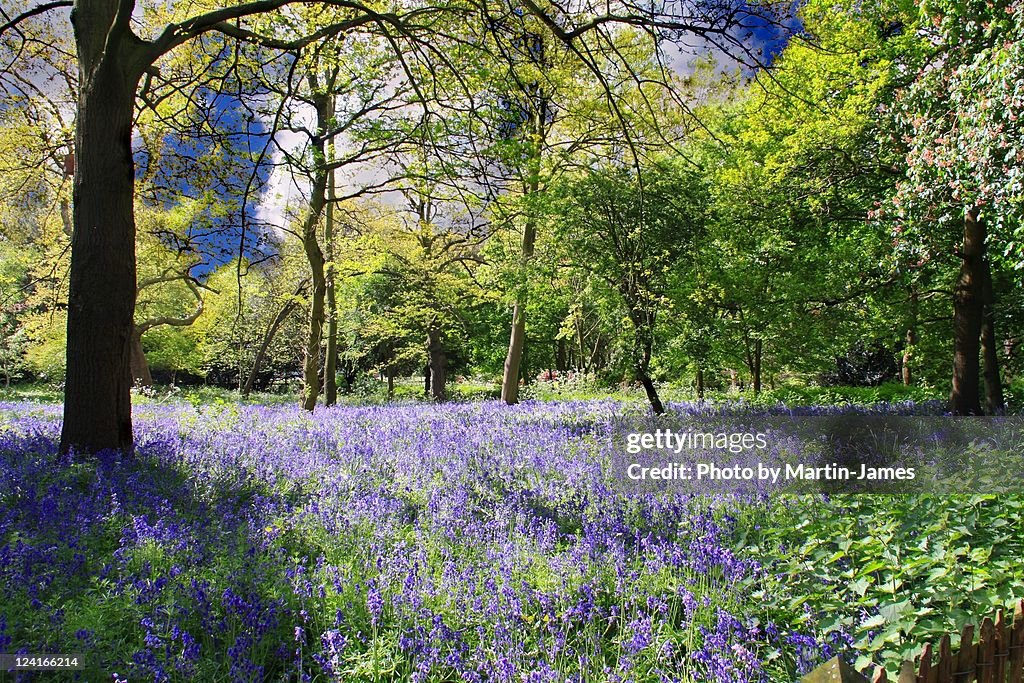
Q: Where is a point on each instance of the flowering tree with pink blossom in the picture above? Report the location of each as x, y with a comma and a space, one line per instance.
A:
960, 120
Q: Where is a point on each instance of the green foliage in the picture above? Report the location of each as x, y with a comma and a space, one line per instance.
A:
960, 120
893, 572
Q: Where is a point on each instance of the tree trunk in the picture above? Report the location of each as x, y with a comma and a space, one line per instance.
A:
909, 341
517, 338
643, 348
752, 356
583, 364
391, 383
756, 370
561, 363
331, 364
968, 307
315, 256
700, 384
652, 392
101, 297
311, 360
268, 337
141, 376
438, 360
994, 401
426, 380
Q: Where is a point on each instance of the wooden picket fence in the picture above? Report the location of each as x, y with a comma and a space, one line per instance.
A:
997, 657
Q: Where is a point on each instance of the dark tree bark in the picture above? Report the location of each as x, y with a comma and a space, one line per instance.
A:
426, 379
561, 355
438, 364
643, 347
652, 392
700, 384
391, 382
101, 298
752, 354
994, 401
756, 370
968, 309
909, 341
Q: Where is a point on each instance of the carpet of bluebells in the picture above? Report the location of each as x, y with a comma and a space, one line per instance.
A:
468, 542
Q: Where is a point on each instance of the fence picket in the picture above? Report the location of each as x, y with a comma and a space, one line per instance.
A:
965, 660
986, 651
997, 657
1017, 645
945, 667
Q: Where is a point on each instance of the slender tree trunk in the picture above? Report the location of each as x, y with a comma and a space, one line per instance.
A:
700, 384
651, 390
517, 338
438, 365
910, 340
268, 337
101, 298
968, 307
643, 347
311, 360
582, 344
331, 364
756, 370
141, 375
1010, 345
994, 401
391, 383
315, 256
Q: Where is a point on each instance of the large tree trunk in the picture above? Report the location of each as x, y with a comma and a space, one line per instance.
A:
968, 308
438, 364
994, 401
141, 376
331, 364
101, 298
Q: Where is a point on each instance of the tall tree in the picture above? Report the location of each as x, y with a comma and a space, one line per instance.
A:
962, 192
633, 232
